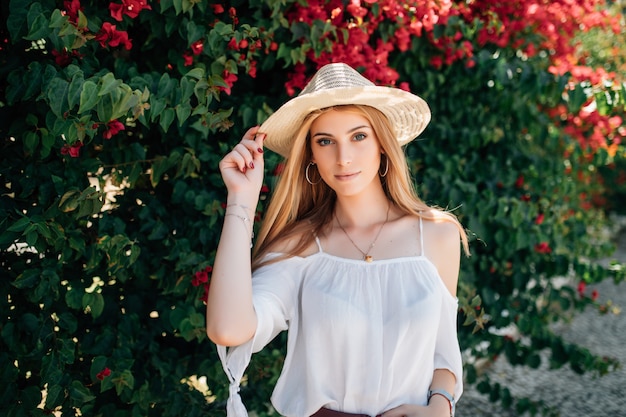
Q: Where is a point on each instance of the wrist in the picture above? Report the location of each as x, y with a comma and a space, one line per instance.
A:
439, 398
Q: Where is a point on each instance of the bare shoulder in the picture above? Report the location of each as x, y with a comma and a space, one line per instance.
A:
442, 245
291, 244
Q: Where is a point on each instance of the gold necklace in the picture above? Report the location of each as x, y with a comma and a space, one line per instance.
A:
366, 256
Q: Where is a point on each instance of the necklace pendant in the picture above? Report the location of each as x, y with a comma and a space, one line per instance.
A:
368, 259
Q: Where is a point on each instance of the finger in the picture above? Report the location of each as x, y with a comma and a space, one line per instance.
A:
258, 142
233, 160
242, 149
250, 133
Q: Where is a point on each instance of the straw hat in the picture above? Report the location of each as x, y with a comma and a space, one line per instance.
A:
339, 84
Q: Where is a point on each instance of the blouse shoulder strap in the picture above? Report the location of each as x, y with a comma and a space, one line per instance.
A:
421, 237
319, 244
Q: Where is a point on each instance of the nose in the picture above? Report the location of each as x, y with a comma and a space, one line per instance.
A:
344, 155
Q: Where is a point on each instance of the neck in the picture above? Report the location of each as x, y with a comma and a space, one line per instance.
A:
362, 211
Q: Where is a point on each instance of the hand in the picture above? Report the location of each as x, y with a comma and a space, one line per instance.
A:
242, 168
434, 409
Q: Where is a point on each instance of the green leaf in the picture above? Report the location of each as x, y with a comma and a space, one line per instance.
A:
167, 117
57, 96
88, 96
38, 29
94, 303
183, 111
54, 396
125, 380
108, 83
197, 73
79, 394
16, 22
69, 201
27, 279
75, 90
20, 225
30, 397
31, 140
74, 298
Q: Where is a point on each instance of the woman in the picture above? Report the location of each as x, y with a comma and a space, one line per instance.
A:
361, 272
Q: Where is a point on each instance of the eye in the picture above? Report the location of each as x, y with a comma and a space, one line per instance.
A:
360, 136
324, 141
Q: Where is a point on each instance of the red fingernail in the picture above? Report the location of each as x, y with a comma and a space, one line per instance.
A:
245, 168
251, 165
259, 150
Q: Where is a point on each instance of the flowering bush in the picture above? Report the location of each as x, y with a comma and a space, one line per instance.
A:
113, 117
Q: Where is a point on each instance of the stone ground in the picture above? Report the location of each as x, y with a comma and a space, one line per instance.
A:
573, 395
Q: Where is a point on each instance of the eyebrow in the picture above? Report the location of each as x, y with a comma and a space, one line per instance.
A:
349, 131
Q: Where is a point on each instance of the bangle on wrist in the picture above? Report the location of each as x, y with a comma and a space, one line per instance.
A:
445, 394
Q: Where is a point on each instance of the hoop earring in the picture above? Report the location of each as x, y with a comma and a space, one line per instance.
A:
306, 174
383, 174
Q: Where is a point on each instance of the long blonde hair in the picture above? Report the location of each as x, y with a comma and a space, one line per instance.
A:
301, 210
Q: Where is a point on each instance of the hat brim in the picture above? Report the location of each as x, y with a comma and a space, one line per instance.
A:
409, 114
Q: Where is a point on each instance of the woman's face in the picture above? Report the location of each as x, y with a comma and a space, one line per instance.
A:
346, 151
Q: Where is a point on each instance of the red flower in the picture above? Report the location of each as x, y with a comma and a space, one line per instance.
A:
581, 288
103, 374
229, 79
519, 182
217, 8
187, 58
543, 247
232, 44
110, 36
539, 218
72, 7
594, 295
232, 12
113, 128
205, 293
197, 47
73, 150
62, 58
252, 70
130, 8
201, 277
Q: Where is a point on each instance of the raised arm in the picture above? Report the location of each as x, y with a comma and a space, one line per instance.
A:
231, 319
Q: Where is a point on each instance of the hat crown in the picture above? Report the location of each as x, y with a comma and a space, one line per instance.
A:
334, 76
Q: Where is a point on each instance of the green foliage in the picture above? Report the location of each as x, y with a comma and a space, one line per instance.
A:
111, 200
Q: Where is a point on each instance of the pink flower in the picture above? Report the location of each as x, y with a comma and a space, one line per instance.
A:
110, 36
113, 128
539, 218
103, 374
581, 288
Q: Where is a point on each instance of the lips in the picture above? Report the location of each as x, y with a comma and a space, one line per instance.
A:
346, 176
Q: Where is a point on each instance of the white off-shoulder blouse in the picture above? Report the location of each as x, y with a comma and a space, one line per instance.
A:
362, 337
